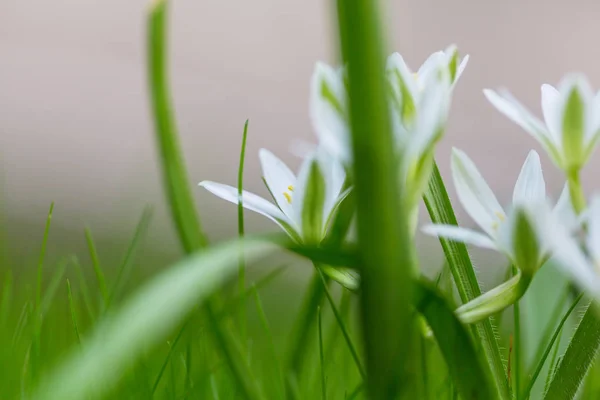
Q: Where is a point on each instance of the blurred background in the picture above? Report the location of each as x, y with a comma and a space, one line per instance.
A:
75, 125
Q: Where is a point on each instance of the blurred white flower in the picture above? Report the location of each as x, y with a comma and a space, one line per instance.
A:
304, 204
419, 105
516, 233
582, 264
571, 126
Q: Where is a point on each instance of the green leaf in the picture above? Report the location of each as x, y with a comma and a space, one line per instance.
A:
441, 212
578, 357
464, 363
526, 244
175, 177
144, 320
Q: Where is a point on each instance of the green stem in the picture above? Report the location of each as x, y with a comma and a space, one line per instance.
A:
495, 300
242, 267
441, 212
385, 241
517, 348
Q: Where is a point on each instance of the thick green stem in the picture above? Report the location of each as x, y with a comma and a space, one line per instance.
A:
385, 242
576, 191
495, 300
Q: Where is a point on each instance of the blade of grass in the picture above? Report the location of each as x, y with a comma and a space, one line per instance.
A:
264, 321
175, 178
97, 267
578, 357
242, 268
321, 356
73, 313
440, 210
384, 237
143, 321
127, 264
176, 185
464, 362
40, 269
517, 347
548, 349
168, 358
85, 290
342, 326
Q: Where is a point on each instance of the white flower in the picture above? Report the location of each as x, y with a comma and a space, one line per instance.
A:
516, 233
572, 120
419, 105
304, 204
583, 266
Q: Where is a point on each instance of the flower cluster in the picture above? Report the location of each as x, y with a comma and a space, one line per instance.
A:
528, 232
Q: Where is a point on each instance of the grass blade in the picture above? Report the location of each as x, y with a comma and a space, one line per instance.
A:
124, 336
127, 263
271, 340
543, 358
321, 357
578, 357
462, 358
384, 236
6, 302
342, 326
441, 212
168, 358
175, 178
40, 269
73, 313
242, 268
97, 267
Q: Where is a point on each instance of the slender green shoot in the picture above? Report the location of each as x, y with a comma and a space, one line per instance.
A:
73, 312
7, 297
128, 261
342, 326
517, 346
97, 267
40, 268
242, 268
172, 348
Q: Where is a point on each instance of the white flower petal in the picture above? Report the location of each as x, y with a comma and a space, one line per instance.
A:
280, 180
335, 177
477, 198
434, 62
564, 211
250, 201
300, 190
593, 236
551, 107
530, 186
328, 111
567, 255
461, 67
396, 64
516, 112
459, 234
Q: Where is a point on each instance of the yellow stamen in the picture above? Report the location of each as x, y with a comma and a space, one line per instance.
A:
287, 197
291, 188
500, 216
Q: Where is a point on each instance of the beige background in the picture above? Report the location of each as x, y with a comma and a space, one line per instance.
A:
74, 118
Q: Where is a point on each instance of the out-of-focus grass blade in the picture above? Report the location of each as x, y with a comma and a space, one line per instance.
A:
578, 357
144, 320
97, 267
53, 286
73, 312
128, 262
264, 321
321, 356
242, 269
464, 363
40, 269
384, 237
85, 291
542, 360
441, 212
175, 177
168, 358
